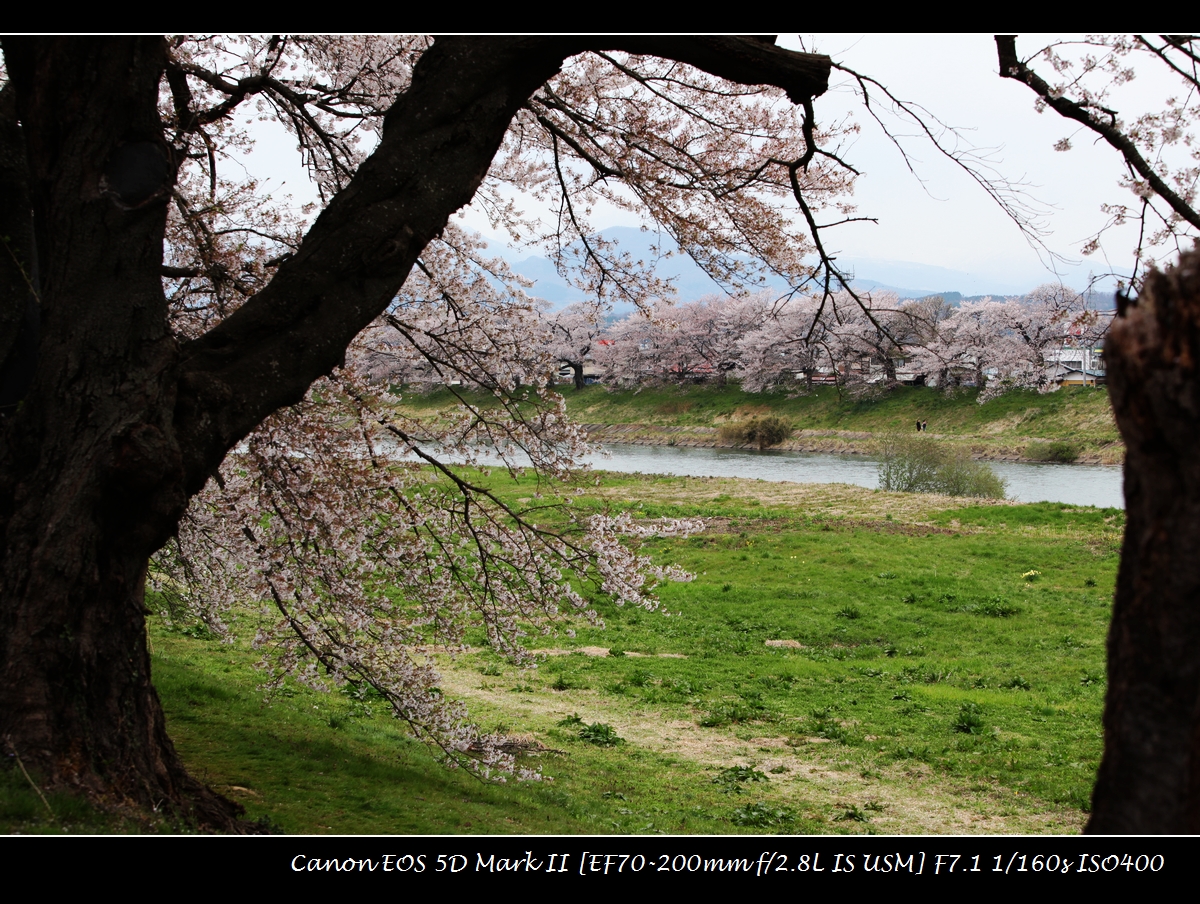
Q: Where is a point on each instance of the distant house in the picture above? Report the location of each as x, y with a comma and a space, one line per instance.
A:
1076, 367
819, 375
591, 373
1080, 361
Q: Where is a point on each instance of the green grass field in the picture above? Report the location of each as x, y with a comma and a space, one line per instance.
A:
844, 661
1014, 425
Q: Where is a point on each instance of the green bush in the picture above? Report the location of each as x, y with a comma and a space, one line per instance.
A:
600, 734
765, 431
969, 720
921, 464
1056, 451
732, 779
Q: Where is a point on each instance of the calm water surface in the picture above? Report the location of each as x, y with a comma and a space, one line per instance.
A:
1098, 485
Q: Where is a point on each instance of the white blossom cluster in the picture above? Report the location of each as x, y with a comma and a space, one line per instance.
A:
364, 561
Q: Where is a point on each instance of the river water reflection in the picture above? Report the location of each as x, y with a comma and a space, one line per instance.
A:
1099, 485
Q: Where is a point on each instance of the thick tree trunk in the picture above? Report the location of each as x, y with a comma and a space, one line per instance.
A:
889, 372
19, 312
1149, 779
76, 700
120, 426
91, 481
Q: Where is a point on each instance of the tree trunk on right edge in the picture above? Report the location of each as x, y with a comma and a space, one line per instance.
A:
1149, 780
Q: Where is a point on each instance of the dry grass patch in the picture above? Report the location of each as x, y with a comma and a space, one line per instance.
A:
825, 500
814, 778
604, 652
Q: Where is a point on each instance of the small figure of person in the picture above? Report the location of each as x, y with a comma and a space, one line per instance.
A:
924, 426
918, 426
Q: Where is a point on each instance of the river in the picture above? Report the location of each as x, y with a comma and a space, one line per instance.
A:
1099, 485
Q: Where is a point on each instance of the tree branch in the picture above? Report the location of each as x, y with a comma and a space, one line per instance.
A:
438, 140
1011, 66
745, 60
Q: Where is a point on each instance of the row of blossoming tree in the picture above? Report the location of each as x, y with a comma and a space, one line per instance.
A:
767, 343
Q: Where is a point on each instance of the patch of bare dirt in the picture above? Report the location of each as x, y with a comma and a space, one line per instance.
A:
807, 773
605, 651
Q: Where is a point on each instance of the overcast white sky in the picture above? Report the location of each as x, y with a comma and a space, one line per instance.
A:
949, 221
942, 219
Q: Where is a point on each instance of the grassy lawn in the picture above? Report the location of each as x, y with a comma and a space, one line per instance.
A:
844, 661
884, 661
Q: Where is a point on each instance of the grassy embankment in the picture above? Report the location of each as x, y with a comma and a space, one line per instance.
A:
844, 661
1015, 426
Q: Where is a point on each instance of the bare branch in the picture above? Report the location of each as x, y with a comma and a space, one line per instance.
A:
1000, 190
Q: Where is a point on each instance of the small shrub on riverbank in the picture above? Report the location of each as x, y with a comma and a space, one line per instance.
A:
969, 720
765, 431
1056, 451
921, 464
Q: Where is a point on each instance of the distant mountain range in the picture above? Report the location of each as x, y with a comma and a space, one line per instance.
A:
905, 278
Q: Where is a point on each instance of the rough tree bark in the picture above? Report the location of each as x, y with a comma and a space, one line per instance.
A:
122, 424
1149, 779
18, 270
90, 477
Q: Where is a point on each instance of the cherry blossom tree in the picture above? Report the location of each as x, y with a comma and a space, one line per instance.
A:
694, 342
1158, 147
628, 354
857, 340
865, 339
949, 346
178, 386
1004, 344
994, 344
791, 343
574, 334
703, 337
1026, 334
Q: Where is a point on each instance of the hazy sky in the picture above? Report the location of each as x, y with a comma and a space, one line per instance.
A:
949, 220
942, 218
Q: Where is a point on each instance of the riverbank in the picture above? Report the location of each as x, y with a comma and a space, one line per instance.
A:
1071, 424
1098, 485
1075, 424
837, 442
